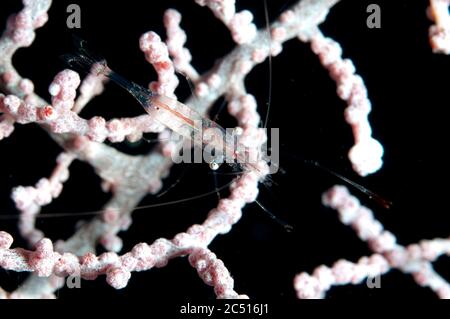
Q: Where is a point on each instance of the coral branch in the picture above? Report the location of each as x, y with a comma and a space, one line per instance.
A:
29, 200
342, 272
20, 27
6, 124
440, 32
366, 154
60, 118
44, 261
176, 38
91, 86
131, 178
157, 54
214, 273
414, 259
20, 33
240, 24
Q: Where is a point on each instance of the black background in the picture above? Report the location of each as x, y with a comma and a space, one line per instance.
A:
407, 88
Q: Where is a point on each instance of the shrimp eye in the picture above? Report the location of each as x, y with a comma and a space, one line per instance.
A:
213, 165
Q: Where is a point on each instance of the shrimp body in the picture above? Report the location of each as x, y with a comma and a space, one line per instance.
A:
178, 117
188, 123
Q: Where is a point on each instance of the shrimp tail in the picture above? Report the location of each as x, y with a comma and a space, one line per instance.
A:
85, 60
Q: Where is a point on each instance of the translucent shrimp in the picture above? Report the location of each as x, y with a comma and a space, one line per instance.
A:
177, 116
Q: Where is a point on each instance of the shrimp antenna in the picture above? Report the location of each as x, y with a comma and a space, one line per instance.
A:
141, 208
285, 225
380, 200
84, 59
